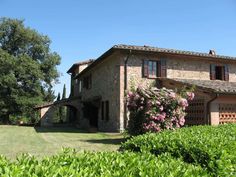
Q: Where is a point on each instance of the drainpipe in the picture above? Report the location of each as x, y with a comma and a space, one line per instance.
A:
208, 108
125, 87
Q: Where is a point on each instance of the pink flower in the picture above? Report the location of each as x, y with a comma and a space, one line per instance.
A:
181, 121
183, 102
172, 95
161, 108
152, 126
190, 95
130, 94
161, 117
136, 97
149, 104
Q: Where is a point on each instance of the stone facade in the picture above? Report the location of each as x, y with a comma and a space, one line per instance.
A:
108, 84
184, 67
105, 86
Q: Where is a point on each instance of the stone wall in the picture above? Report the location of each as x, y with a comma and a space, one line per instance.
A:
215, 112
191, 68
108, 82
75, 82
177, 67
46, 115
105, 85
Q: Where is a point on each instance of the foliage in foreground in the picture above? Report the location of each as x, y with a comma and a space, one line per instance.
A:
153, 110
93, 164
214, 148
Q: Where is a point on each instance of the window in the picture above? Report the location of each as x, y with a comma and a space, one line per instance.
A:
105, 110
76, 81
219, 72
87, 82
153, 69
80, 86
102, 111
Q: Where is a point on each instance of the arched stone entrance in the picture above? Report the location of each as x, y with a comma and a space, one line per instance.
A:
47, 111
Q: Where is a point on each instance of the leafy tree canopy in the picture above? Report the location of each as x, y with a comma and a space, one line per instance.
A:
28, 69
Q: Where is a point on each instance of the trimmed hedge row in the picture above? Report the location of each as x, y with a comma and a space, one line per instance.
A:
85, 164
214, 148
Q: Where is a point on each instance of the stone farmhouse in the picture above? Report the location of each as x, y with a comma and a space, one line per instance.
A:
98, 86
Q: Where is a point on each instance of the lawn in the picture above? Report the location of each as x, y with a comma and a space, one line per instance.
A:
41, 142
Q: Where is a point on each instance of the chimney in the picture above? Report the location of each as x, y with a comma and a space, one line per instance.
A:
212, 52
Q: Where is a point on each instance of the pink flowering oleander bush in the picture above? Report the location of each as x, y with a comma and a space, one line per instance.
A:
153, 110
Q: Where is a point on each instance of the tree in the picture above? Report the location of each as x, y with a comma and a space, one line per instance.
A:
64, 92
64, 108
59, 97
28, 69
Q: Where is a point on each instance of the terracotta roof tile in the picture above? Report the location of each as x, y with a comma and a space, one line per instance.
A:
215, 86
170, 51
80, 63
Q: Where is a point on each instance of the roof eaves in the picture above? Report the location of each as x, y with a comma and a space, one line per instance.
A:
80, 63
98, 60
201, 86
171, 51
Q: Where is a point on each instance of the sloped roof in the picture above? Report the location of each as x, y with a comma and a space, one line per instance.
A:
215, 86
155, 50
170, 51
79, 63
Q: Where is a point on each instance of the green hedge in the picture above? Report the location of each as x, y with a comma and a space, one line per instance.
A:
99, 164
214, 148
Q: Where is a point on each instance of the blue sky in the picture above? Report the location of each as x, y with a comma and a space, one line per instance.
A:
84, 29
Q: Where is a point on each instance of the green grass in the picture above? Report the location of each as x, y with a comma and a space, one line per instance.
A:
40, 142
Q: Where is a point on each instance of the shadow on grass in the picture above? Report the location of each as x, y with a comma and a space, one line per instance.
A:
116, 141
59, 130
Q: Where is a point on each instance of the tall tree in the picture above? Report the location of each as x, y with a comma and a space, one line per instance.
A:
28, 68
64, 92
58, 96
64, 108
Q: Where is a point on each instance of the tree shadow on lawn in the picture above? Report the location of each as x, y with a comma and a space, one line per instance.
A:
115, 141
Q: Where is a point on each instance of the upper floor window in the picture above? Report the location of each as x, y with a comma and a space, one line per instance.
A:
80, 86
87, 82
76, 81
154, 68
219, 72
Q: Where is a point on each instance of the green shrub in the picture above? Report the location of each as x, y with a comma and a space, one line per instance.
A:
22, 119
99, 164
214, 148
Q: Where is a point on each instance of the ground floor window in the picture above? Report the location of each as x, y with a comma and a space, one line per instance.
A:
105, 110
